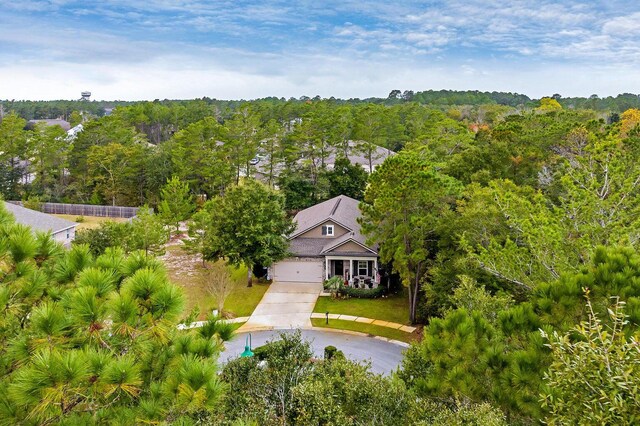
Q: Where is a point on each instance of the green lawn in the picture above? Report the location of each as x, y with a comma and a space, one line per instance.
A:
394, 308
374, 330
186, 271
90, 222
244, 300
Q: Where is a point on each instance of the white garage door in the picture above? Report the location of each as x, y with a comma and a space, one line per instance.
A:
309, 271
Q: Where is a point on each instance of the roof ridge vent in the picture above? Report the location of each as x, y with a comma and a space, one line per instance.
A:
333, 211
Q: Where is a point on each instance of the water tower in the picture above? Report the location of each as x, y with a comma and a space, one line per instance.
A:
86, 96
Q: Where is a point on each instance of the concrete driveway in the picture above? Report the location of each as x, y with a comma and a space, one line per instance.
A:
285, 305
384, 356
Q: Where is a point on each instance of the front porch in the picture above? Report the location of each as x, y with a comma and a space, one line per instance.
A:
359, 272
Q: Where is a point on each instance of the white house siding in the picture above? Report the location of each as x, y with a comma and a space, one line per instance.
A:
66, 236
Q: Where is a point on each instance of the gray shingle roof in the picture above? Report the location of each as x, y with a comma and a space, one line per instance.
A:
343, 210
38, 221
53, 122
307, 246
334, 243
356, 155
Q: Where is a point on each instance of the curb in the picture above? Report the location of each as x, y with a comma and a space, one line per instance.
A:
331, 330
381, 323
198, 324
358, 333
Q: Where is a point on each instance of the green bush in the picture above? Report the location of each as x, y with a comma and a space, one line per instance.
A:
334, 284
33, 202
330, 351
363, 293
261, 352
80, 219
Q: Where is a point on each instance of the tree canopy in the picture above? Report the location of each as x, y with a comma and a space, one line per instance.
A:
247, 225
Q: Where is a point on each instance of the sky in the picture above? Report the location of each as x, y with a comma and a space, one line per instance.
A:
242, 49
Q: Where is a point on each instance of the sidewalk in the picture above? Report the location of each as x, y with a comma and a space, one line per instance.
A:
394, 325
259, 327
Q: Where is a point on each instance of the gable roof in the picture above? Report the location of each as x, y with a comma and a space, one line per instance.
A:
52, 122
356, 155
343, 210
38, 221
333, 244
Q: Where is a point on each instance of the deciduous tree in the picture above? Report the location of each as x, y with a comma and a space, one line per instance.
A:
247, 225
600, 369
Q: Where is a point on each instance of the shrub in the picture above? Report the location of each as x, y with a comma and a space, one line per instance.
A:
363, 293
334, 284
33, 202
330, 351
80, 219
261, 351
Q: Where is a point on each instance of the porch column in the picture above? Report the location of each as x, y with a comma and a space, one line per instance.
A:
326, 268
375, 269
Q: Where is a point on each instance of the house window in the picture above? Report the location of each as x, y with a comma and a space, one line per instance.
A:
327, 230
363, 267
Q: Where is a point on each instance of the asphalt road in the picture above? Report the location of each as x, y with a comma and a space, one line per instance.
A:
383, 356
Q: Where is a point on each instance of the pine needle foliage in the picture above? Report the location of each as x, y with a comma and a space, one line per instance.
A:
95, 341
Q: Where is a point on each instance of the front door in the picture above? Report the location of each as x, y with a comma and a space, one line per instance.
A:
338, 267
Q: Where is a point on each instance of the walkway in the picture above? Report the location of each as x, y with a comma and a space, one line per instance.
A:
383, 355
381, 323
284, 305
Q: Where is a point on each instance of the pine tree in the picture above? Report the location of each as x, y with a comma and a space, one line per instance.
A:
177, 203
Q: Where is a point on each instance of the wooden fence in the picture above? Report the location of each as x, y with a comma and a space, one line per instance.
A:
86, 209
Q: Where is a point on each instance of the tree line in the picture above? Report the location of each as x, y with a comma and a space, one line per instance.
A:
519, 248
514, 235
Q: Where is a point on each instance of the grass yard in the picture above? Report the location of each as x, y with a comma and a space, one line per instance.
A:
90, 222
393, 308
374, 330
244, 300
186, 271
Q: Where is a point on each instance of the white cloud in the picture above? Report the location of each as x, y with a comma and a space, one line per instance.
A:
624, 26
150, 49
183, 77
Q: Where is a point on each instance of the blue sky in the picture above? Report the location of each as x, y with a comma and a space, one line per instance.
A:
147, 49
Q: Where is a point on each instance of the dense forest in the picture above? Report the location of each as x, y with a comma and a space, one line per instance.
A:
31, 110
514, 224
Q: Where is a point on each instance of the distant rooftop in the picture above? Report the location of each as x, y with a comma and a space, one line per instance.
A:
360, 153
38, 221
52, 122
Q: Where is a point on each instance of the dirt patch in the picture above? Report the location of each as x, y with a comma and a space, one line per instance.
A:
181, 264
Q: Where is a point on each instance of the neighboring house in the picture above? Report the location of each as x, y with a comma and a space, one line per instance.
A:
50, 122
24, 166
368, 156
72, 133
327, 242
63, 231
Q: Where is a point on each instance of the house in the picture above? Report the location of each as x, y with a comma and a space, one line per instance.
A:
50, 122
63, 231
327, 242
368, 156
72, 133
